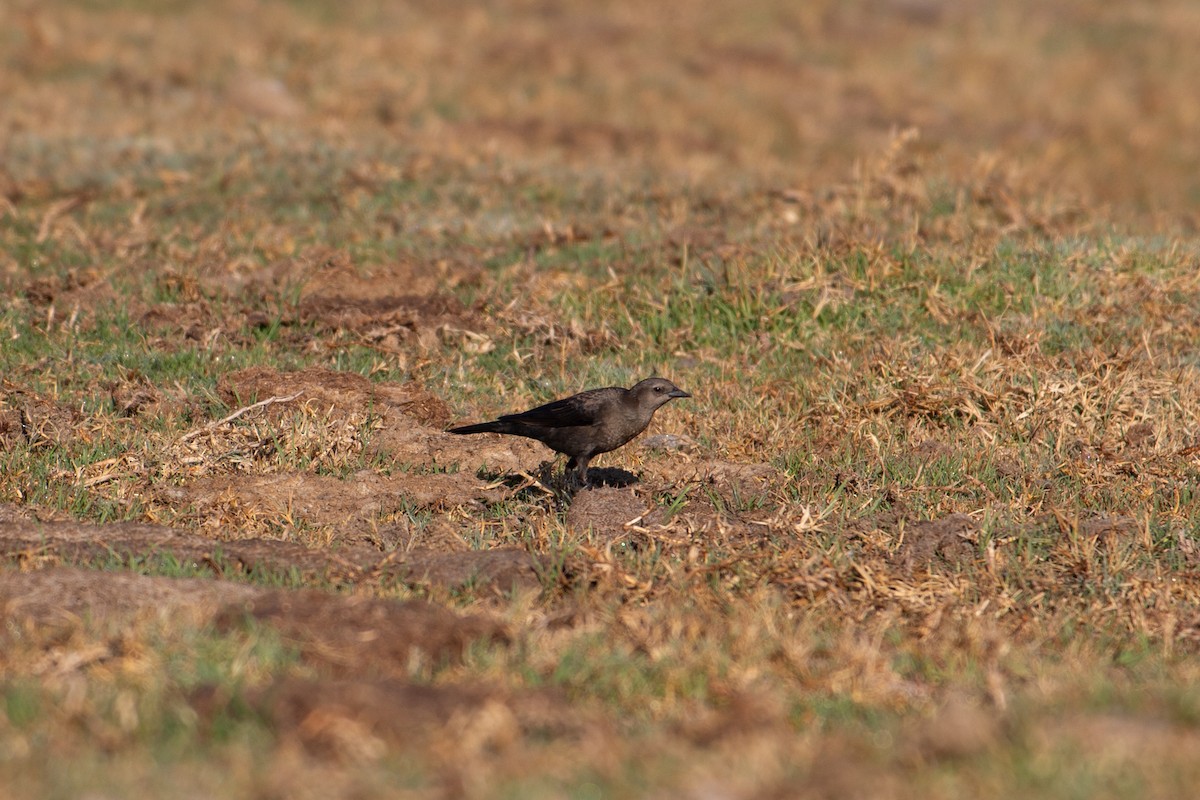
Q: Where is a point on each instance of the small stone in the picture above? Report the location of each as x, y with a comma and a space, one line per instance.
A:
670, 442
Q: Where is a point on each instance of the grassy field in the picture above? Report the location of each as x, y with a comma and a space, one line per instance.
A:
929, 526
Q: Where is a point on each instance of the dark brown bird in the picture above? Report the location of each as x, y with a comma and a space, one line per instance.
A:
586, 424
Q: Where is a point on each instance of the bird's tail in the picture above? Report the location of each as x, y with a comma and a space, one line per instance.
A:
482, 427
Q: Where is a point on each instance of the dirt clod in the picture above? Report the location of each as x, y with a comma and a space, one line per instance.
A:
948, 540
34, 419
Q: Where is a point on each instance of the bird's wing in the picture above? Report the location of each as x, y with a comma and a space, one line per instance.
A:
580, 409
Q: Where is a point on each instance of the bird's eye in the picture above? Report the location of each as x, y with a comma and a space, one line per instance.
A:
658, 389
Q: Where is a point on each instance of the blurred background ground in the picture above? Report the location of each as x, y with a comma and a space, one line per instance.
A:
1091, 102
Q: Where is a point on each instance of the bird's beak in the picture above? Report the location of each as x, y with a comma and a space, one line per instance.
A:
678, 393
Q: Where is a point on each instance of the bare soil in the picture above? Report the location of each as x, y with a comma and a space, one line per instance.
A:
331, 390
364, 636
40, 544
350, 507
57, 596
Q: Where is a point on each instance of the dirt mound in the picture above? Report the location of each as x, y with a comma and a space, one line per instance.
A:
604, 512
66, 595
364, 635
347, 391
44, 544
352, 506
490, 454
411, 418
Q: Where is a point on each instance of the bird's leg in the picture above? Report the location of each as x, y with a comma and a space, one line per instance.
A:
576, 472
581, 468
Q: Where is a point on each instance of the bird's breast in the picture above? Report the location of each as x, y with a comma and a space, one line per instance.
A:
617, 430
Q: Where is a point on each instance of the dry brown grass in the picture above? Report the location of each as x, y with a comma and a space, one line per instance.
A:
928, 527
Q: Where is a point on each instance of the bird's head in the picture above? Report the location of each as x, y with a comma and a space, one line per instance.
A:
654, 393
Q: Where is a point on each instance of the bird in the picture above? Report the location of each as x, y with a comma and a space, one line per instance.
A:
587, 424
